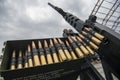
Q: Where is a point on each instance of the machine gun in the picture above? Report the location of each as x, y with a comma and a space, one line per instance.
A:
109, 50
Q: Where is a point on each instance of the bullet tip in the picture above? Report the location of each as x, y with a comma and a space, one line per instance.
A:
74, 38
70, 39
20, 53
60, 41
55, 41
78, 38
83, 32
13, 53
86, 28
45, 43
29, 47
51, 43
81, 36
39, 44
33, 44
67, 43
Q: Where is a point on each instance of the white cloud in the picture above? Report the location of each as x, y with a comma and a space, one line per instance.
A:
29, 19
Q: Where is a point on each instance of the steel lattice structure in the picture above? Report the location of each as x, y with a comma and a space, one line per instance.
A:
108, 13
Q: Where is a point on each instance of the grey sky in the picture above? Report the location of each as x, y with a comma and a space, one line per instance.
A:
28, 19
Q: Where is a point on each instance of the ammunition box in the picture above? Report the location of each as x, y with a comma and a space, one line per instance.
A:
66, 70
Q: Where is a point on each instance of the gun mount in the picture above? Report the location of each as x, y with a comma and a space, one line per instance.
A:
109, 50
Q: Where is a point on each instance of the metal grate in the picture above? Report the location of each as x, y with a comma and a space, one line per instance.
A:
108, 13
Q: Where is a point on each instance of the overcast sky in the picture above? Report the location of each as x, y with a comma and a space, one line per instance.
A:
34, 19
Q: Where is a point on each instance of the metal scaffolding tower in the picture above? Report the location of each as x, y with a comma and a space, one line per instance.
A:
108, 13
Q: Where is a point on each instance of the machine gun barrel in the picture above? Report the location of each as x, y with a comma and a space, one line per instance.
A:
71, 19
59, 10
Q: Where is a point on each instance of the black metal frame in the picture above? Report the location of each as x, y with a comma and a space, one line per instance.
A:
107, 72
89, 72
110, 58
